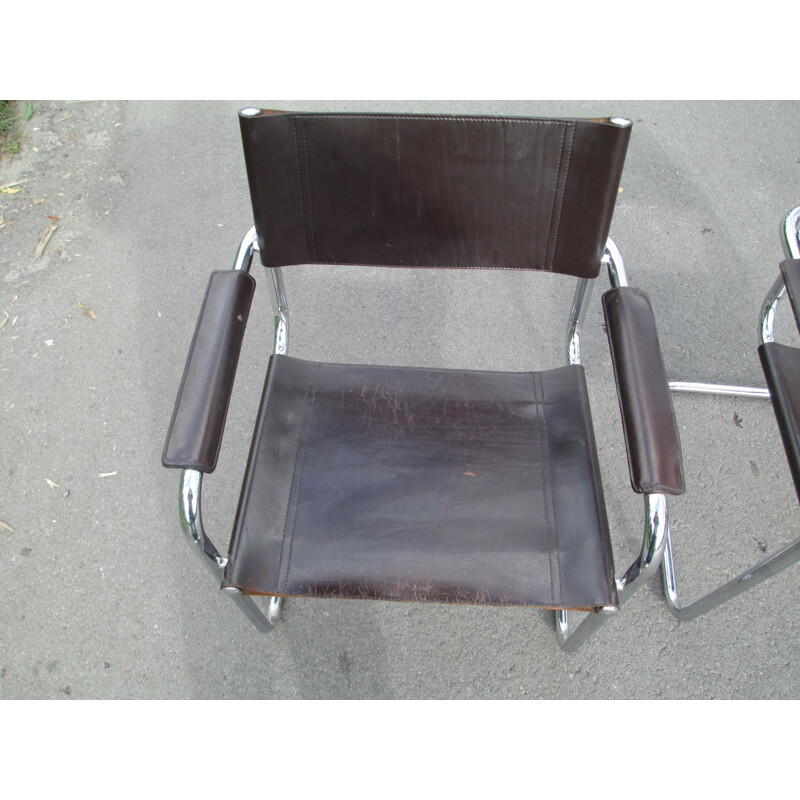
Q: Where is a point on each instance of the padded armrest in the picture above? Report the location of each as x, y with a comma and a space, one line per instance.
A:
195, 433
648, 418
790, 269
781, 366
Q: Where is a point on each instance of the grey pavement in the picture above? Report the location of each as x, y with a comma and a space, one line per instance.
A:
102, 597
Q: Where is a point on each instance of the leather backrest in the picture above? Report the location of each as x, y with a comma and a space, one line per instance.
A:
433, 191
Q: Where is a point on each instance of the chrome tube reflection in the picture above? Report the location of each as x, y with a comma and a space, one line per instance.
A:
656, 529
790, 237
280, 310
612, 260
192, 521
770, 566
244, 255
767, 317
580, 302
790, 241
717, 388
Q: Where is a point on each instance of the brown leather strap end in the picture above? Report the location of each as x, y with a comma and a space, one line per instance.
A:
195, 433
648, 418
781, 365
790, 269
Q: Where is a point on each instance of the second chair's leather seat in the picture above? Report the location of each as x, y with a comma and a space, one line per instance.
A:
421, 484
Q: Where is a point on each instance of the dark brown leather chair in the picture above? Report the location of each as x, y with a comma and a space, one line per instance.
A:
781, 365
417, 484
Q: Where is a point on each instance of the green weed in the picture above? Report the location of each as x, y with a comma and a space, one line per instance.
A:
10, 117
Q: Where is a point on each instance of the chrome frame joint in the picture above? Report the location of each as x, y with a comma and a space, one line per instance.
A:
612, 261
192, 525
656, 531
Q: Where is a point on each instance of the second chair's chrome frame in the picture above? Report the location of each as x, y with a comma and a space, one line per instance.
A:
786, 556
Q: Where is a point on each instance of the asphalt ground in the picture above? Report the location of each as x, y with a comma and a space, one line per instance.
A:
102, 596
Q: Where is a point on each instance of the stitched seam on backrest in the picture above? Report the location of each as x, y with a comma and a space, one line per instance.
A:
562, 189
553, 207
302, 193
308, 186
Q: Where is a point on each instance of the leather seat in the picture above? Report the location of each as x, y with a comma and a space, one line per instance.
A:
420, 484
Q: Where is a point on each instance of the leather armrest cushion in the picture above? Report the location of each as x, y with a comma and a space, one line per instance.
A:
781, 365
198, 421
648, 418
790, 269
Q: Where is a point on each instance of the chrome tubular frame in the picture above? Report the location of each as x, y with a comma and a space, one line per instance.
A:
778, 561
770, 566
191, 480
690, 387
646, 565
656, 528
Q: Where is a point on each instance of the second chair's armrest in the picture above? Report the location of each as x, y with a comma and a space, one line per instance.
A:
790, 270
195, 433
648, 418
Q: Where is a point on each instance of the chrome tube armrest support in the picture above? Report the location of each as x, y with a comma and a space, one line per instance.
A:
655, 527
191, 479
611, 261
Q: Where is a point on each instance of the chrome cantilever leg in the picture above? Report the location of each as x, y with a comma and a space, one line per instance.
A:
192, 524
770, 566
645, 566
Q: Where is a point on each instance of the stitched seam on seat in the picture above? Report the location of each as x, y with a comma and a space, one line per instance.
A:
302, 193
426, 266
308, 185
537, 406
296, 478
548, 491
424, 369
563, 190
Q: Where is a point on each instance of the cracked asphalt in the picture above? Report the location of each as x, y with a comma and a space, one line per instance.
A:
132, 204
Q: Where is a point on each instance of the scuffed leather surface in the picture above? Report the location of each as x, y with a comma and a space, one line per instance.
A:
648, 417
433, 191
790, 269
420, 484
195, 432
781, 365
